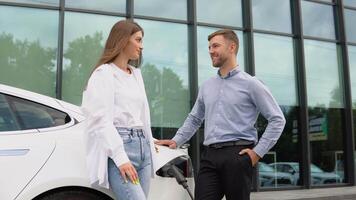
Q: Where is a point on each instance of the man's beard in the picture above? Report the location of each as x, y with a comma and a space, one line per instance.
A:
220, 62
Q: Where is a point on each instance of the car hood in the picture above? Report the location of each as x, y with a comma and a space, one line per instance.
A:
275, 174
325, 175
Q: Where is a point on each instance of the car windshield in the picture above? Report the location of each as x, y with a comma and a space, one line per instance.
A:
295, 166
265, 168
315, 169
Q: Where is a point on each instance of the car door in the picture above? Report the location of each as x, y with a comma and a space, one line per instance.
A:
23, 150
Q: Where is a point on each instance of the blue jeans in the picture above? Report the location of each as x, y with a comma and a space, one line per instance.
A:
137, 148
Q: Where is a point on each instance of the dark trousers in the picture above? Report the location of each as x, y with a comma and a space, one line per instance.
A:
224, 172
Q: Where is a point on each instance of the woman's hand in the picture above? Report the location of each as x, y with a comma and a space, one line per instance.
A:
128, 170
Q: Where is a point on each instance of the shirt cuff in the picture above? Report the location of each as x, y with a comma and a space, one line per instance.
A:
120, 157
260, 150
179, 140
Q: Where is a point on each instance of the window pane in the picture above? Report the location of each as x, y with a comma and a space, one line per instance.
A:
39, 2
161, 8
350, 3
279, 21
275, 67
318, 20
82, 49
103, 5
280, 166
227, 12
350, 18
352, 61
274, 62
165, 72
323, 75
28, 54
32, 115
205, 68
8, 120
326, 145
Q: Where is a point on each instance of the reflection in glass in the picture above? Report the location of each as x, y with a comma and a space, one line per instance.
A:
278, 21
227, 12
103, 5
318, 20
350, 18
282, 160
326, 145
82, 49
28, 54
165, 73
39, 2
352, 62
349, 3
274, 65
162, 8
323, 74
205, 68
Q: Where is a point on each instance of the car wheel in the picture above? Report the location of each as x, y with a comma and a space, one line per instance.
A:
74, 195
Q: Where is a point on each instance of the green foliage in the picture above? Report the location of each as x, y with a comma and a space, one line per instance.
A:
166, 95
27, 65
79, 60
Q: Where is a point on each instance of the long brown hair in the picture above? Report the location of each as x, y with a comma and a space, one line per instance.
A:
118, 39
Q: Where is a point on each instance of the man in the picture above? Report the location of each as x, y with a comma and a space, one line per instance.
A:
229, 103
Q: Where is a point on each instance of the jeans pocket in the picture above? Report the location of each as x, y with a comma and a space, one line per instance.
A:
126, 138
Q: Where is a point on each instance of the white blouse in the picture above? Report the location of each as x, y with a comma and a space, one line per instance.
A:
107, 104
129, 100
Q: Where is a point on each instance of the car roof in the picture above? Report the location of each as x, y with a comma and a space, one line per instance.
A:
42, 99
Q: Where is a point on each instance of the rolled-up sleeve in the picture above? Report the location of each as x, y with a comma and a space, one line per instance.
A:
98, 107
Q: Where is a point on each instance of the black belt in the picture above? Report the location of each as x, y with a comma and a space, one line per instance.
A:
230, 144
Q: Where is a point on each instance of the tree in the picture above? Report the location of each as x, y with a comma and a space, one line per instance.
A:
167, 96
81, 56
27, 65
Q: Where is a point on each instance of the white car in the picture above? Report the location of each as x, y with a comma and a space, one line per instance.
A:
42, 154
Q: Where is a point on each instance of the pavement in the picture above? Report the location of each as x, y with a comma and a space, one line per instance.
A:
336, 193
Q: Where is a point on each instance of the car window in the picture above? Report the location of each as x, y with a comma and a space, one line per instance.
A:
7, 118
280, 168
287, 168
33, 115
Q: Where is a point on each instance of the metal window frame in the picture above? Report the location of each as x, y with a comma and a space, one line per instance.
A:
248, 31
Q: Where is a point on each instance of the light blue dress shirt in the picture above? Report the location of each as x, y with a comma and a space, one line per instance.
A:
230, 106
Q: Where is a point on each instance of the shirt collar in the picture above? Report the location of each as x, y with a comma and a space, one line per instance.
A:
231, 73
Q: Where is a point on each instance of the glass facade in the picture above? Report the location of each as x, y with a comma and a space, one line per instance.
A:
325, 100
28, 55
215, 12
205, 68
99, 5
275, 67
162, 8
318, 20
82, 48
37, 42
279, 22
350, 18
165, 74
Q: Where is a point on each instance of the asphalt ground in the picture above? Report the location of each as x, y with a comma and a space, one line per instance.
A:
337, 193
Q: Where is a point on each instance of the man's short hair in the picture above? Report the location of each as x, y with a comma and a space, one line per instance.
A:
227, 34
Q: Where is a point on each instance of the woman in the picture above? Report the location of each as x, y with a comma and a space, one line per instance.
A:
119, 140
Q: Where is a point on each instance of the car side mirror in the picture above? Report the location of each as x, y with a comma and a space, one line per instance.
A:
291, 171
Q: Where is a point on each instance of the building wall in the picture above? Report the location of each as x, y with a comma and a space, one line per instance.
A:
303, 50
